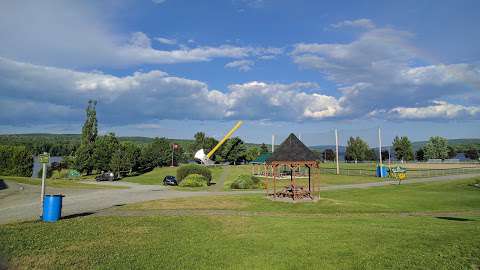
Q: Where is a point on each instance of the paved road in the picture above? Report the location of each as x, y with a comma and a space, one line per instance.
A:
21, 202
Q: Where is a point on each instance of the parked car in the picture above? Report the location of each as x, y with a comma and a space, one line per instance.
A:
170, 180
106, 176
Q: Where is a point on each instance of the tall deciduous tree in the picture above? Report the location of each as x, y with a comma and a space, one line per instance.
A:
436, 148
252, 153
420, 154
403, 148
357, 149
472, 153
84, 161
105, 147
156, 154
233, 150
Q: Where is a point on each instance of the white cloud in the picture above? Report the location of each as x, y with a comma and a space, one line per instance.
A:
57, 93
259, 100
242, 65
362, 23
377, 73
439, 110
166, 41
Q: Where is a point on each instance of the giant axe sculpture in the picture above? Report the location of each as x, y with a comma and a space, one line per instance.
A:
205, 159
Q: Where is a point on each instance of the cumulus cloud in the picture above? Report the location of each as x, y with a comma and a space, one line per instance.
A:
438, 110
242, 65
58, 94
379, 71
166, 41
362, 23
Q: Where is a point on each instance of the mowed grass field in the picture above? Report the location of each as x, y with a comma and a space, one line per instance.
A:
417, 226
223, 176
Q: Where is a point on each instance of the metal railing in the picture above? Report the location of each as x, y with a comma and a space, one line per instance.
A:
411, 173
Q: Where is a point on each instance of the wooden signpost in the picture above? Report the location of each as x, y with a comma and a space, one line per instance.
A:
44, 159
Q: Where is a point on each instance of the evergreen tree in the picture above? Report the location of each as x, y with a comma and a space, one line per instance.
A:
403, 148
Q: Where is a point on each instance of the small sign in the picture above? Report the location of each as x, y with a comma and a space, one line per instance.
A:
73, 174
43, 158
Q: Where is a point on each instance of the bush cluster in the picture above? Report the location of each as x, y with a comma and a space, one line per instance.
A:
194, 180
189, 169
245, 181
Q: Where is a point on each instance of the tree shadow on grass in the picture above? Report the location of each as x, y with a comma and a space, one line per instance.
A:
455, 218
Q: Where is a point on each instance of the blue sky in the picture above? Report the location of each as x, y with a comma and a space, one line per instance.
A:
171, 68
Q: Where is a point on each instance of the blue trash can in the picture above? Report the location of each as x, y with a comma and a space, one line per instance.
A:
52, 207
382, 171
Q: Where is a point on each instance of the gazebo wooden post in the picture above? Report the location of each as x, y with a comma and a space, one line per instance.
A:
274, 182
266, 178
309, 181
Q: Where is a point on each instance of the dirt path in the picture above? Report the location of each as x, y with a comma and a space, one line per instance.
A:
23, 203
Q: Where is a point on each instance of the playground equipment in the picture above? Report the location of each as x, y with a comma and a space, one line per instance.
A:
205, 158
398, 173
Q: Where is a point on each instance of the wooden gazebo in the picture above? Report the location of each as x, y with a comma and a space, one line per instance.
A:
291, 154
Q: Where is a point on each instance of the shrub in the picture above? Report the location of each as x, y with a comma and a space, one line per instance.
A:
62, 174
194, 180
188, 169
245, 181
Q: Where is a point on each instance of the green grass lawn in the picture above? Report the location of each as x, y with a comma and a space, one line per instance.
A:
230, 173
417, 226
58, 183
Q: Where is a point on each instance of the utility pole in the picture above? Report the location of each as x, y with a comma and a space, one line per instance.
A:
380, 150
273, 142
336, 150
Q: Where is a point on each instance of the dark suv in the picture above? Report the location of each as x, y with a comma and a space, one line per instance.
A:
106, 176
170, 180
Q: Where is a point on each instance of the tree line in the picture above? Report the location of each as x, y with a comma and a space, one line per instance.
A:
436, 148
107, 153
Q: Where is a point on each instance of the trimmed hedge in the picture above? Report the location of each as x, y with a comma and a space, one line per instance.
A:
245, 181
188, 169
15, 161
194, 180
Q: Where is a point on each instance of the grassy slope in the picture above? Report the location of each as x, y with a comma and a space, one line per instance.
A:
349, 233
58, 183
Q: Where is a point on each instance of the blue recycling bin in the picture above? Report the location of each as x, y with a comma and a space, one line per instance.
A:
52, 207
382, 171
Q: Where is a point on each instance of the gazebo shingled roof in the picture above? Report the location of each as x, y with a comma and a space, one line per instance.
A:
292, 150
